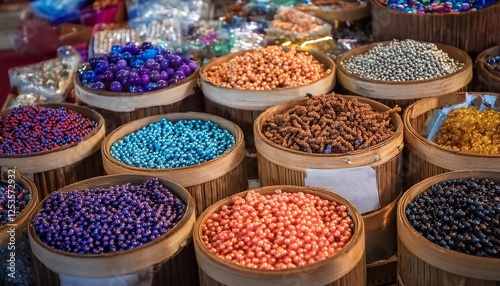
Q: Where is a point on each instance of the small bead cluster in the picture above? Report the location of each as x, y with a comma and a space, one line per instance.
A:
96, 221
277, 231
494, 63
267, 68
402, 61
436, 6
461, 215
31, 129
292, 20
471, 130
330, 124
133, 68
21, 199
167, 144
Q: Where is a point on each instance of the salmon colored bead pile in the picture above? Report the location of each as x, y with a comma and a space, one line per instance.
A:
277, 231
471, 130
267, 68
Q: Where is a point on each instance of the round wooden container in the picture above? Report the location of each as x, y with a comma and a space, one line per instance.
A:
471, 31
244, 106
425, 158
403, 94
62, 166
278, 165
489, 80
207, 182
346, 268
148, 259
334, 15
421, 262
119, 108
20, 222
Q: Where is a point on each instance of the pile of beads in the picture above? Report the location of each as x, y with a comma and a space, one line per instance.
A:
97, 221
494, 63
294, 21
166, 144
436, 6
20, 196
330, 124
402, 61
461, 215
133, 68
470, 130
277, 231
31, 129
267, 68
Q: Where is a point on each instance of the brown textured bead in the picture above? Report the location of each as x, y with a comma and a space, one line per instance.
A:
266, 69
330, 124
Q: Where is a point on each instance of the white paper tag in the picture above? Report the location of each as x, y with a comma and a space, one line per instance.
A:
357, 185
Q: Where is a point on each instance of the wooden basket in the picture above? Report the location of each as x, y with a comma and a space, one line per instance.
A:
54, 169
421, 262
279, 165
425, 158
403, 94
489, 80
346, 268
148, 258
471, 31
119, 108
21, 220
244, 106
207, 182
343, 15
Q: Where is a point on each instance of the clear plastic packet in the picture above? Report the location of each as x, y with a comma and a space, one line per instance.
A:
58, 11
48, 81
434, 122
264, 10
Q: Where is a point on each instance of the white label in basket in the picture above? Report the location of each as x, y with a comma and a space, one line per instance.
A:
357, 185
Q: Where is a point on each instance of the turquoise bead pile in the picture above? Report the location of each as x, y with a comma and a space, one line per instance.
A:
166, 144
436, 6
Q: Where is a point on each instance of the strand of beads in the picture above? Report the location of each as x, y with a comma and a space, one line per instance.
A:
267, 68
20, 196
436, 6
98, 221
31, 129
471, 130
461, 215
402, 61
330, 124
278, 231
167, 144
133, 68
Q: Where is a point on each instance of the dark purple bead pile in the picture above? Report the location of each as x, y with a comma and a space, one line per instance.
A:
136, 68
461, 215
98, 221
31, 129
21, 197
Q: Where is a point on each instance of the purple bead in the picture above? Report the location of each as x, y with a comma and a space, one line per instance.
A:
158, 58
139, 88
121, 74
145, 79
185, 69
149, 63
180, 75
162, 84
163, 64
135, 79
93, 62
98, 85
164, 75
186, 59
151, 86
170, 72
132, 48
122, 64
115, 58
193, 65
116, 86
108, 76
99, 77
174, 61
156, 67
101, 67
147, 45
154, 76
114, 68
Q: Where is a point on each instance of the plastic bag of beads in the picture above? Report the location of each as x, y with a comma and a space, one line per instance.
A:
293, 27
102, 11
50, 80
264, 10
58, 11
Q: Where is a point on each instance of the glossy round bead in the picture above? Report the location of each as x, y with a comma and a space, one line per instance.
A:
167, 144
108, 220
98, 85
16, 193
116, 86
